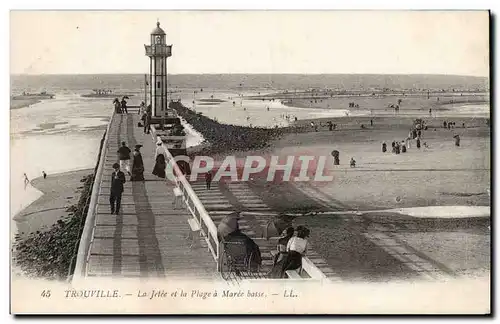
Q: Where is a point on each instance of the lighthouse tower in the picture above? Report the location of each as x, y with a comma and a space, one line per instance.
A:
158, 51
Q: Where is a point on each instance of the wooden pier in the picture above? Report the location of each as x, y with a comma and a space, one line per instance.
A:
152, 238
149, 238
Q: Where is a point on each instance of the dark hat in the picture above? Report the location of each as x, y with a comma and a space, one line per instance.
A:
138, 146
116, 166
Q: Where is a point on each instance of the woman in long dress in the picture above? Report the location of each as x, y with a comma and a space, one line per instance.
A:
137, 165
282, 253
160, 165
296, 248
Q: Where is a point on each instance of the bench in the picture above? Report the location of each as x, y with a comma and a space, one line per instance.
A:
195, 228
293, 274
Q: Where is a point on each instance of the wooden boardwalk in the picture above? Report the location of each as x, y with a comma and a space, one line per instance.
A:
149, 237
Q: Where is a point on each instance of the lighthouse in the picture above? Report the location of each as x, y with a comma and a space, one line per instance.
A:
158, 51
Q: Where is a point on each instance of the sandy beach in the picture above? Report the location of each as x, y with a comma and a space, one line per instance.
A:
440, 175
59, 192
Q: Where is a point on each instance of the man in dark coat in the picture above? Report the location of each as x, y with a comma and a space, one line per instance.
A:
117, 181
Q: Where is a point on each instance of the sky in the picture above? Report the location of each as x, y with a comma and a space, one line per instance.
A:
364, 42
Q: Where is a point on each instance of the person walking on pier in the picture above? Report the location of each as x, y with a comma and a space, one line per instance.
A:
124, 106
118, 107
124, 156
147, 119
137, 165
142, 108
117, 182
160, 164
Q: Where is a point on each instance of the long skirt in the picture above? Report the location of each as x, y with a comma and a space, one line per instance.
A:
292, 261
159, 168
278, 265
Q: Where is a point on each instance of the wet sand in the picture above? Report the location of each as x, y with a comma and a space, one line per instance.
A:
59, 192
21, 103
380, 102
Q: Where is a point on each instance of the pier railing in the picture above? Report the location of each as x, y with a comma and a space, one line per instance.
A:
193, 204
88, 229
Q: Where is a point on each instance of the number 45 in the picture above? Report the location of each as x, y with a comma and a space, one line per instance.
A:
46, 293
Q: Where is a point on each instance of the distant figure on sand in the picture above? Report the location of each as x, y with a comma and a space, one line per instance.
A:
353, 163
44, 175
384, 147
418, 143
457, 140
208, 179
371, 122
137, 165
26, 181
115, 195
403, 147
336, 157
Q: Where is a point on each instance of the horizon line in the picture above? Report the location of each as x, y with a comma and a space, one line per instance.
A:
253, 73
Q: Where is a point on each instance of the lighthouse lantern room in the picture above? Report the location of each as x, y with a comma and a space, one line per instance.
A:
158, 51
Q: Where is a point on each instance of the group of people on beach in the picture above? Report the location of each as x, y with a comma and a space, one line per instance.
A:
451, 125
402, 146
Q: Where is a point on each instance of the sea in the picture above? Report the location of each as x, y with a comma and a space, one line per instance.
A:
63, 134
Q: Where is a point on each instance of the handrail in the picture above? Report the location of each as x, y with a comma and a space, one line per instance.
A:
88, 230
193, 203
